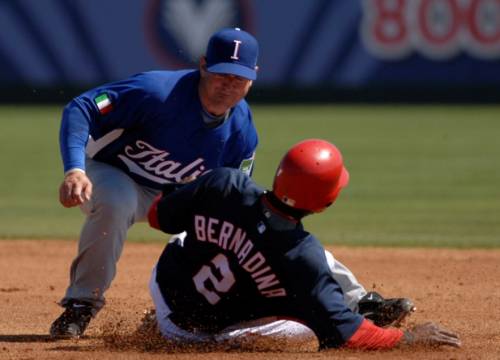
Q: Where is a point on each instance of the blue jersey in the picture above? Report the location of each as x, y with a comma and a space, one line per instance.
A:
235, 265
151, 126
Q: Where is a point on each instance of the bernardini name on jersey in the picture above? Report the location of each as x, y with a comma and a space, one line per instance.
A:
232, 238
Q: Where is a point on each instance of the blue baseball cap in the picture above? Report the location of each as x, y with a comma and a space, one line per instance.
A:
233, 51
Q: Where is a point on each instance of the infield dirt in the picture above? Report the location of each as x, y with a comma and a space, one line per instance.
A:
459, 289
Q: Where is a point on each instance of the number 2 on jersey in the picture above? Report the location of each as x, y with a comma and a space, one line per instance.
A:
220, 286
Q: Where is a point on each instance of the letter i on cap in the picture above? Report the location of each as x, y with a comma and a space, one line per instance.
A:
233, 51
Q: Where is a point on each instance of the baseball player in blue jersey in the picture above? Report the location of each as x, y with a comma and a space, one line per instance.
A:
248, 268
121, 142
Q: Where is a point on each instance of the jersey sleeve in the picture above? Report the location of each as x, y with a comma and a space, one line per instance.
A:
371, 337
326, 312
98, 112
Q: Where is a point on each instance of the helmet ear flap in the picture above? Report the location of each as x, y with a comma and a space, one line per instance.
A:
310, 176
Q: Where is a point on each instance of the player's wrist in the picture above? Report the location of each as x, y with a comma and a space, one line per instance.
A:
74, 170
408, 338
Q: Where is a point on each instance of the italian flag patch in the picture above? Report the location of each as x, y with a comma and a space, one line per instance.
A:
103, 103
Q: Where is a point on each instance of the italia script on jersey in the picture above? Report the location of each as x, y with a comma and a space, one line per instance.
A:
151, 163
234, 239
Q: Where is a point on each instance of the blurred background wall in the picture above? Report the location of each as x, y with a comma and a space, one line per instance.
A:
311, 50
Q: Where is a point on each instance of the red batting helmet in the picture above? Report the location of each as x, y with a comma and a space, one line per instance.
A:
310, 175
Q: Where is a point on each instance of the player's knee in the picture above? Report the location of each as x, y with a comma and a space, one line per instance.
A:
116, 205
330, 260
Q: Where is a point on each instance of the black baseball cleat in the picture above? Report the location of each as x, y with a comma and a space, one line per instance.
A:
385, 312
73, 321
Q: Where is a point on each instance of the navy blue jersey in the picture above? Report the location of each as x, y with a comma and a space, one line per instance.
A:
235, 266
151, 126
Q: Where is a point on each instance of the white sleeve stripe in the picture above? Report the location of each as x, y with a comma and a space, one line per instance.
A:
74, 170
94, 146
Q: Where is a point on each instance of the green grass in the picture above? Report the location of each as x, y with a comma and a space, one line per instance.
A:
420, 175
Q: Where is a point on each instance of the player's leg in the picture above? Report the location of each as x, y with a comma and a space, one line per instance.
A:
352, 289
167, 328
117, 202
372, 305
268, 332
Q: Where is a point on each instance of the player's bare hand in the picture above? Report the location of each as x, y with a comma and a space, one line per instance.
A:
430, 334
75, 189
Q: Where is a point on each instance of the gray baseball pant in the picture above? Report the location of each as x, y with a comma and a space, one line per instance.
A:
117, 202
